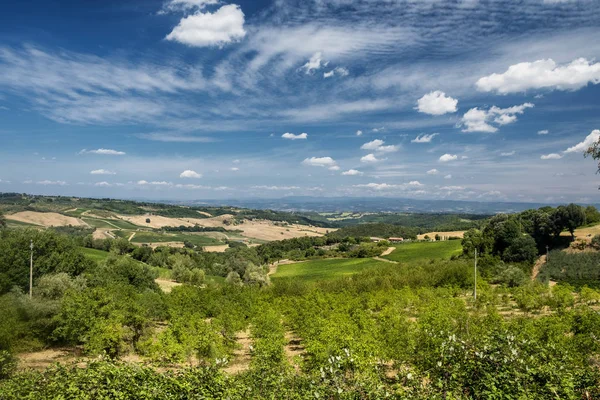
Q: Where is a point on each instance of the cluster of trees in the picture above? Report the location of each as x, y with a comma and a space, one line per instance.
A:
381, 230
196, 228
520, 238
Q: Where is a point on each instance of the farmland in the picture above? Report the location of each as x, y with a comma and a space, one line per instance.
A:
414, 251
325, 269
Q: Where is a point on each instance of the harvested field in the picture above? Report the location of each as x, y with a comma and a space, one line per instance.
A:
156, 221
216, 249
585, 233
45, 219
166, 285
459, 234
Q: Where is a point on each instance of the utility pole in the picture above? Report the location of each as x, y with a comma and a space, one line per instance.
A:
31, 271
475, 287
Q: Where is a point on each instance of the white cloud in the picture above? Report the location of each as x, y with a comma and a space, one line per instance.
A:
376, 130
586, 143
106, 152
377, 186
174, 138
188, 173
542, 74
372, 145
508, 154
433, 172
186, 5
102, 184
436, 103
339, 71
551, 156
234, 169
319, 162
449, 176
452, 188
352, 172
52, 183
264, 187
154, 183
334, 168
378, 146
224, 26
359, 133
476, 120
448, 157
102, 172
369, 158
543, 132
314, 63
415, 184
424, 138
291, 136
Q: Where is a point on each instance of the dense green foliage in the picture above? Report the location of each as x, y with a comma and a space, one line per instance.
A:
52, 253
425, 221
575, 268
376, 230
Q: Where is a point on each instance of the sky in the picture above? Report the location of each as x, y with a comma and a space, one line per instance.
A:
482, 100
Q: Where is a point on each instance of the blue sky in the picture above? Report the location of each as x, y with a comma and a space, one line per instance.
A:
203, 99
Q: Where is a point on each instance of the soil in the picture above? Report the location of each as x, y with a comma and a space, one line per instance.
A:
45, 219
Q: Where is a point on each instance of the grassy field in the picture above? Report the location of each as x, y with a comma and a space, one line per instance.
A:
325, 269
407, 252
96, 255
153, 237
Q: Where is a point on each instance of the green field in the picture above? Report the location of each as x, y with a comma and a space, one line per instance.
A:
96, 255
413, 251
154, 237
326, 269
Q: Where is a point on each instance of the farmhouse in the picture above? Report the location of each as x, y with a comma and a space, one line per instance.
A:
396, 239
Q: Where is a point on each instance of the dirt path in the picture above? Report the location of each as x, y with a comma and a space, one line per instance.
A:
388, 251
241, 355
385, 260
132, 236
538, 265
293, 349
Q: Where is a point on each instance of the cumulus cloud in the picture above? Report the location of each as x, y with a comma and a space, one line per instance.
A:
477, 120
448, 157
186, 5
334, 168
372, 145
369, 158
188, 173
105, 152
102, 184
415, 184
314, 63
352, 172
359, 133
433, 172
291, 136
378, 146
542, 74
339, 71
319, 162
102, 172
551, 156
508, 154
543, 132
424, 138
387, 186
234, 169
154, 183
586, 143
224, 26
449, 176
436, 103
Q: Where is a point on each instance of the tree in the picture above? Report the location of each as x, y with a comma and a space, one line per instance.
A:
570, 217
592, 215
147, 220
522, 249
2, 220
